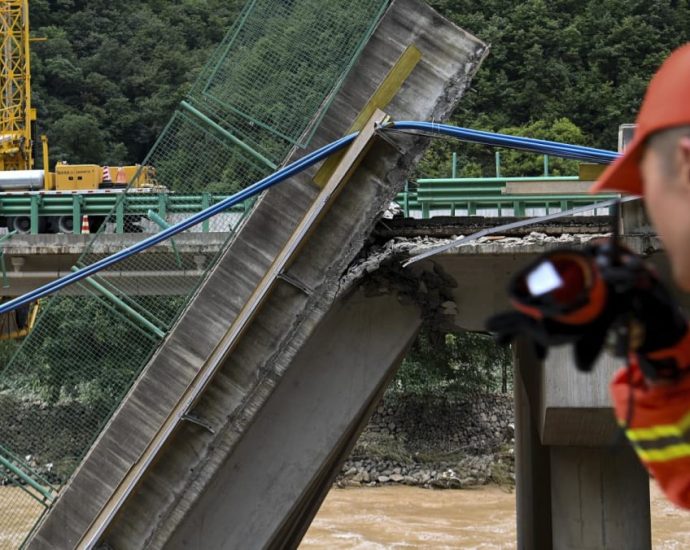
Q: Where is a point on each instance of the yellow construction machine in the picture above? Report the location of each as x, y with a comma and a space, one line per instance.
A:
19, 149
18, 144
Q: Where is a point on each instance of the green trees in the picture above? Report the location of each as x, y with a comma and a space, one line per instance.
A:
125, 65
454, 365
586, 61
89, 369
478, 161
515, 163
110, 74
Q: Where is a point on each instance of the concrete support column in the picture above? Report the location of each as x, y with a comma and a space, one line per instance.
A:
578, 492
599, 499
532, 460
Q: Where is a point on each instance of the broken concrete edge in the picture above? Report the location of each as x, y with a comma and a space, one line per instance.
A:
371, 258
379, 268
74, 245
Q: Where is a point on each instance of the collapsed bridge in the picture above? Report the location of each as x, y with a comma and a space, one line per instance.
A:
265, 364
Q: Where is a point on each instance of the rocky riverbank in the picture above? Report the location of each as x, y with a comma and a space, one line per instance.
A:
436, 443
411, 440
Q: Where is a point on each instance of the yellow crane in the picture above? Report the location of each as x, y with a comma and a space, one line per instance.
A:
18, 118
18, 172
17, 123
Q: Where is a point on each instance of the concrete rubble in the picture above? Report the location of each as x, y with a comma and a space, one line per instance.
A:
379, 269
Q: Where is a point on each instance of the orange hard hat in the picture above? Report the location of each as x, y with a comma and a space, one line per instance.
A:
666, 105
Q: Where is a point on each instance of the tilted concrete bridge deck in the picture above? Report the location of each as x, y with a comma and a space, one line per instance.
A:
209, 408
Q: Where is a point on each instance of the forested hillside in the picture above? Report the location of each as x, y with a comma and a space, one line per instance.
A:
111, 72
560, 61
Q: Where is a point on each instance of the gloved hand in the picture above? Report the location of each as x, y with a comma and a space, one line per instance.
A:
657, 328
576, 297
560, 298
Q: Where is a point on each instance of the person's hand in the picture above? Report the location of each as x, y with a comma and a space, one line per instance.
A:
576, 296
588, 339
657, 328
560, 298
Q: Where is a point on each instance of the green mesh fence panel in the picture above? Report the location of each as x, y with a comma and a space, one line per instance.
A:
277, 70
262, 92
192, 160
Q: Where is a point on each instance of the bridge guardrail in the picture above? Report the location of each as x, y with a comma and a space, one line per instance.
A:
458, 196
118, 207
469, 196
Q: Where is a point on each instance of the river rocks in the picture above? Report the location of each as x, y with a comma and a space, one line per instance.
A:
361, 476
435, 443
445, 475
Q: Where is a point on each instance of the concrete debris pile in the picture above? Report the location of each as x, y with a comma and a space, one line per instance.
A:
379, 269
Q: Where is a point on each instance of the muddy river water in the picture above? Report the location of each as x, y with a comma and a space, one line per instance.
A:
483, 518
396, 517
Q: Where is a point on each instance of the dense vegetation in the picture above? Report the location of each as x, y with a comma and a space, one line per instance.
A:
110, 74
454, 365
584, 61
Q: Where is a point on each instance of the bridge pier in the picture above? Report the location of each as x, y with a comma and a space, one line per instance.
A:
599, 499
532, 460
575, 490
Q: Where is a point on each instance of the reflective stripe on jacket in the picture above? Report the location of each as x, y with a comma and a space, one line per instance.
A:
659, 430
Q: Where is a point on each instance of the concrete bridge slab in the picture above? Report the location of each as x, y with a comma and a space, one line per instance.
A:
203, 393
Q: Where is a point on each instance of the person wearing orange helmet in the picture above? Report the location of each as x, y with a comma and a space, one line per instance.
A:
656, 165
579, 296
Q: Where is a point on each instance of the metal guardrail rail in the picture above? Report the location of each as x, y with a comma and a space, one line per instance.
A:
468, 196
460, 196
37, 205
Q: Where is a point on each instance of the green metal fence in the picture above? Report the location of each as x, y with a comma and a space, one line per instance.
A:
277, 68
132, 212
261, 94
426, 198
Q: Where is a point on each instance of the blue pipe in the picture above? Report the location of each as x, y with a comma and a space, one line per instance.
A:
254, 189
541, 146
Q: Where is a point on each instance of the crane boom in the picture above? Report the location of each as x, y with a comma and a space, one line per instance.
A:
17, 117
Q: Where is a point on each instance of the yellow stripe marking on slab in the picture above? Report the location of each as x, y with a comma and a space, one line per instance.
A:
383, 95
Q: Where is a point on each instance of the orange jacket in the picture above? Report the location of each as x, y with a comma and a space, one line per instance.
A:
660, 427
